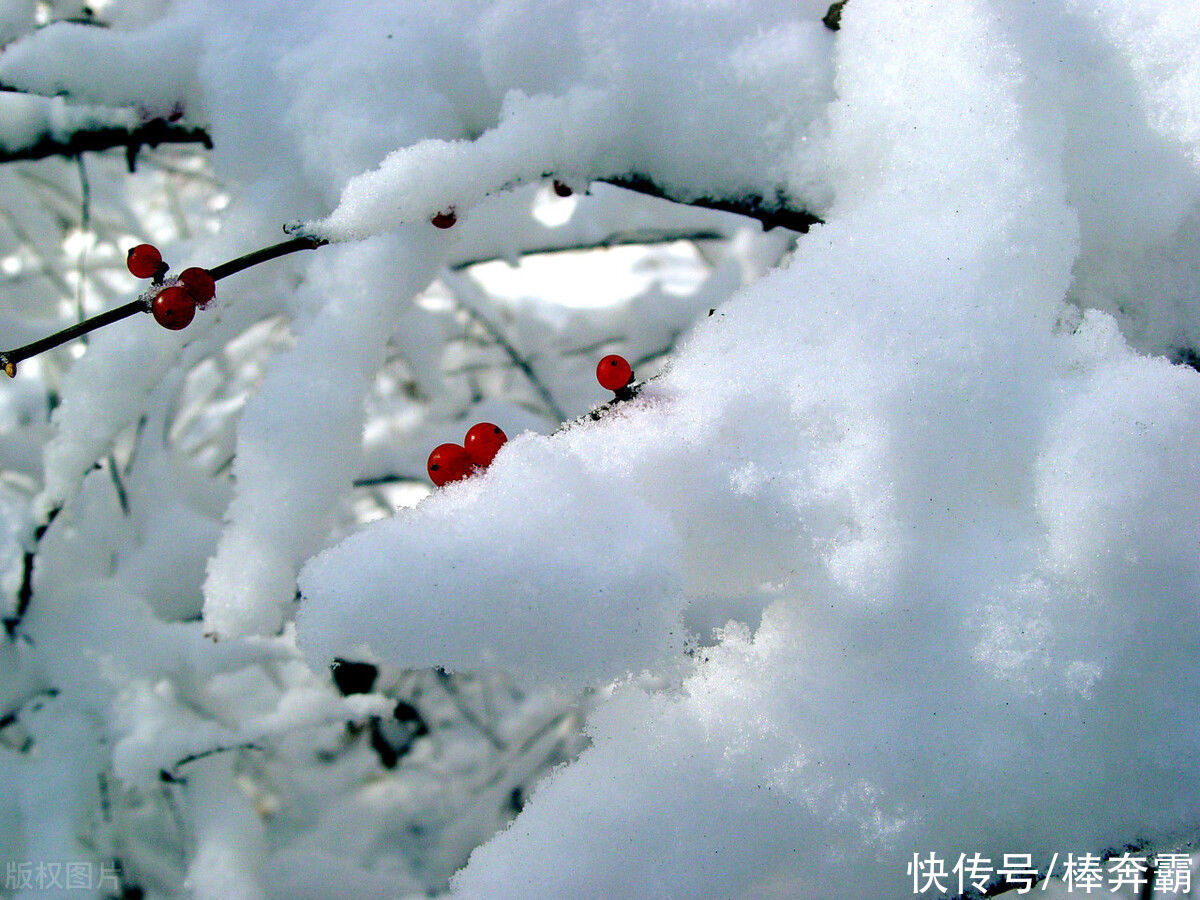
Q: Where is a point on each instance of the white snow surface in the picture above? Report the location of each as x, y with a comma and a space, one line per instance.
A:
951, 494
898, 554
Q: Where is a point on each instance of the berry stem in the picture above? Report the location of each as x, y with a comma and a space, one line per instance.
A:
10, 358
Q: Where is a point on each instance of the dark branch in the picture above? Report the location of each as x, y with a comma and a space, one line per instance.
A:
204, 754
283, 248
514, 355
772, 214
25, 592
9, 359
833, 16
148, 134
389, 478
642, 238
11, 717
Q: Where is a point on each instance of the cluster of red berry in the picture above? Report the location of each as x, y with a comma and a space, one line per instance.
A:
175, 304
454, 462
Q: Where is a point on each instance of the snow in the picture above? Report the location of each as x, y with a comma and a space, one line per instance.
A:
598, 606
636, 121
278, 465
893, 552
149, 68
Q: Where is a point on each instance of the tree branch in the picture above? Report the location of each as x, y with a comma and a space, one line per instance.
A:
213, 751
772, 215
148, 134
640, 238
10, 358
458, 287
25, 592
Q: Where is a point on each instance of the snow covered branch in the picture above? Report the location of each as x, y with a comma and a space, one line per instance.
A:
772, 214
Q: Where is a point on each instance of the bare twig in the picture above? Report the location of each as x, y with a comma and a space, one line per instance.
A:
283, 248
25, 592
515, 356
620, 239
382, 480
447, 684
85, 227
204, 754
10, 358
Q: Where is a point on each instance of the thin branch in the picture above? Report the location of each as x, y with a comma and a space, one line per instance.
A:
514, 355
85, 227
773, 214
147, 134
10, 358
620, 239
447, 684
10, 717
25, 592
381, 480
118, 485
283, 248
213, 751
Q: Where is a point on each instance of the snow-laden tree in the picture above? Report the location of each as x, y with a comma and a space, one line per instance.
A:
890, 561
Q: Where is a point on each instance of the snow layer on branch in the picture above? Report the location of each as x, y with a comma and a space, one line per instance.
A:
610, 102
300, 440
151, 69
948, 493
583, 584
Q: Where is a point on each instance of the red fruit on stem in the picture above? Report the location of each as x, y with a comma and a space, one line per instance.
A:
614, 372
173, 307
143, 261
483, 442
563, 190
448, 462
444, 219
199, 283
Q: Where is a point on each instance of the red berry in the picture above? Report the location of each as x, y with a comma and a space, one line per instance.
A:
614, 372
199, 283
563, 190
448, 462
173, 307
444, 219
143, 261
483, 442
